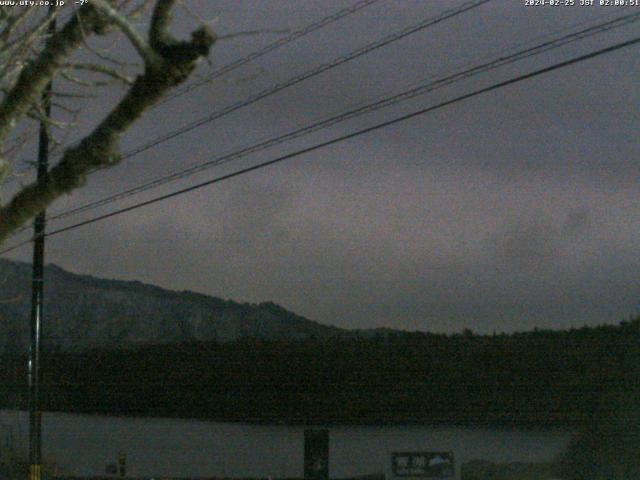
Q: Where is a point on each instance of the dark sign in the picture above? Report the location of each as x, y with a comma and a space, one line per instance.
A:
122, 464
316, 454
431, 465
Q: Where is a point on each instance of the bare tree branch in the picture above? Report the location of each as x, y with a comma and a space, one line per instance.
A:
103, 70
35, 76
160, 21
171, 63
80, 81
140, 44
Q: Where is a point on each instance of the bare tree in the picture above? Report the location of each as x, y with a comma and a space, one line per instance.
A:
28, 64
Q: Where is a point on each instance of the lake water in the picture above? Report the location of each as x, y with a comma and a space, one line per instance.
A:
83, 445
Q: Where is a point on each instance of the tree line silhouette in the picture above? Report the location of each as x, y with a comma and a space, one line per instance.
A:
538, 378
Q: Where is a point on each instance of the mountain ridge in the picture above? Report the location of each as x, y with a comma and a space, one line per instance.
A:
86, 312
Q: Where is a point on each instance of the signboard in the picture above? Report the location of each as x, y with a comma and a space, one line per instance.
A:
316, 454
122, 464
422, 465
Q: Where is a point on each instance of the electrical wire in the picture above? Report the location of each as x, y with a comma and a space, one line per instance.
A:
229, 67
310, 28
368, 108
388, 39
342, 138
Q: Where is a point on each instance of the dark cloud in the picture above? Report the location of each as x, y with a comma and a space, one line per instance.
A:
511, 210
577, 222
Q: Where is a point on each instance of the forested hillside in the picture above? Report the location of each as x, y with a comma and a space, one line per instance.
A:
84, 312
538, 378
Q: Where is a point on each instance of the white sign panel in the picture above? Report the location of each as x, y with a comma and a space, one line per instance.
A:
422, 465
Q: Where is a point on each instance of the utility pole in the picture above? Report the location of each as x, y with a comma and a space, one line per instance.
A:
37, 290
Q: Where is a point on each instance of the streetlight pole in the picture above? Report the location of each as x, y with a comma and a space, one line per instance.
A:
37, 292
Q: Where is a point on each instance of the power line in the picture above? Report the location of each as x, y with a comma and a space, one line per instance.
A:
271, 47
342, 138
429, 22
385, 102
424, 24
308, 74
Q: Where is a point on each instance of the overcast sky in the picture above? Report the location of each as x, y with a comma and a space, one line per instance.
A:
513, 210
